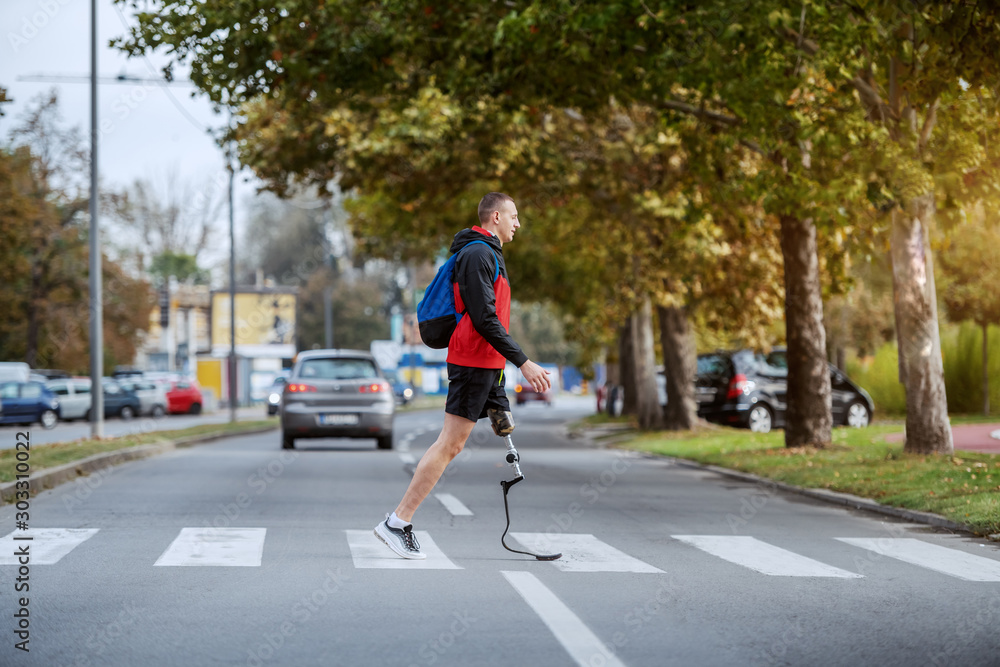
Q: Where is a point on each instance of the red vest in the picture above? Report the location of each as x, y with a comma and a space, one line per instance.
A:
467, 347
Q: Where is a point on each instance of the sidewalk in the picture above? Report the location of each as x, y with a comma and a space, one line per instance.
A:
970, 437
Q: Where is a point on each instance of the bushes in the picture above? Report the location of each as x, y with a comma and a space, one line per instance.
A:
961, 349
879, 375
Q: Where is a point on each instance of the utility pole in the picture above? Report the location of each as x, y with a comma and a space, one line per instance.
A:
96, 284
233, 384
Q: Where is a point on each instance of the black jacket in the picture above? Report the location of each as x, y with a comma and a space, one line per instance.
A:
486, 343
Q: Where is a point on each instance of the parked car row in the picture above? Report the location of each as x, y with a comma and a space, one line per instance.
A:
47, 401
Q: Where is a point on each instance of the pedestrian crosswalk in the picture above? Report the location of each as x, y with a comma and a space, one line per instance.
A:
763, 557
582, 552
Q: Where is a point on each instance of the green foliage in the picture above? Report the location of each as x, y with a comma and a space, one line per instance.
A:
962, 349
541, 333
879, 376
44, 255
359, 314
181, 266
970, 268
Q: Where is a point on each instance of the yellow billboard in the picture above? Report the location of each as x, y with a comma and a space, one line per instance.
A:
262, 318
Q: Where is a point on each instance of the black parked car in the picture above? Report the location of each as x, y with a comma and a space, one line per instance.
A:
748, 389
118, 401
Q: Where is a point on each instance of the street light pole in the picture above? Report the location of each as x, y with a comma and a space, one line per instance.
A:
96, 294
233, 385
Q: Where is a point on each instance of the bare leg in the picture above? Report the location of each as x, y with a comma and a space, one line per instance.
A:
432, 464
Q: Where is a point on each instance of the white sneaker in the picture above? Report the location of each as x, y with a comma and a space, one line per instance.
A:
400, 540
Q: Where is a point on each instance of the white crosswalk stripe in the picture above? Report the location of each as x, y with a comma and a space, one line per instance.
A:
47, 546
583, 646
763, 557
368, 553
583, 553
948, 561
455, 506
225, 547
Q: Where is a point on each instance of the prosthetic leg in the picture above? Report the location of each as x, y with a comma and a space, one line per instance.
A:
503, 425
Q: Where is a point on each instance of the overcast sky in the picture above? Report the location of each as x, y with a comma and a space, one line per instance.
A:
148, 131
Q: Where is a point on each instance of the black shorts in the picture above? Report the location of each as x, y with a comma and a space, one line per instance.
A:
473, 391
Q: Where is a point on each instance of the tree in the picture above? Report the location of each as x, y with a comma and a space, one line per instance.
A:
43, 254
360, 312
971, 267
286, 240
908, 68
163, 224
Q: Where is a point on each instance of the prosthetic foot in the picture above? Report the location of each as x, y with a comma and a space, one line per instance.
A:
503, 424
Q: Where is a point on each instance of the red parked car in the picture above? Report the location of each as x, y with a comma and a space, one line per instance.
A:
184, 397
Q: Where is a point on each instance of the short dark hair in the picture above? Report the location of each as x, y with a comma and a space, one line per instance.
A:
492, 201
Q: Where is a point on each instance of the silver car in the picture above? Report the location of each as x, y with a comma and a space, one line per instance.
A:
152, 395
74, 397
336, 394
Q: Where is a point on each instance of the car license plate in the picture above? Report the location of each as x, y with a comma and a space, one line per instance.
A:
338, 420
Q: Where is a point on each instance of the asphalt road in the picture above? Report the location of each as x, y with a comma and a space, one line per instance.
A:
114, 427
235, 553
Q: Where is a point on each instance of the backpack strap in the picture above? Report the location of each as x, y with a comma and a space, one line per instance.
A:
496, 272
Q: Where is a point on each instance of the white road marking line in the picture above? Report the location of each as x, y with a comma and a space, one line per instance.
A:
407, 458
369, 553
225, 547
46, 546
931, 556
453, 504
763, 557
579, 641
583, 553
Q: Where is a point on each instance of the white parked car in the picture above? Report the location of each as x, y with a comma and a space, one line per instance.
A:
152, 395
74, 397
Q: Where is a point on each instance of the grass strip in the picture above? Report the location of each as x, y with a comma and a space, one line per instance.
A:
964, 488
56, 454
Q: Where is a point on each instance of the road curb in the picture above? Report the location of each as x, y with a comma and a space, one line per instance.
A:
825, 495
49, 478
835, 497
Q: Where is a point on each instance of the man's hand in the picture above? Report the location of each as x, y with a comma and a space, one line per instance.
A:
536, 376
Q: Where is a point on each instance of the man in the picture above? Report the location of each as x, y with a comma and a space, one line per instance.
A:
477, 354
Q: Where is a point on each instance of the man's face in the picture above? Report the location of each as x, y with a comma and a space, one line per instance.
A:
508, 222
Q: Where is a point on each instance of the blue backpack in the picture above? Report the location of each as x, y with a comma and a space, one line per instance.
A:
437, 315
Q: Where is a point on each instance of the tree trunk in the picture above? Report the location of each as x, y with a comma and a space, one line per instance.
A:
808, 417
626, 367
680, 365
646, 401
921, 370
34, 317
986, 373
